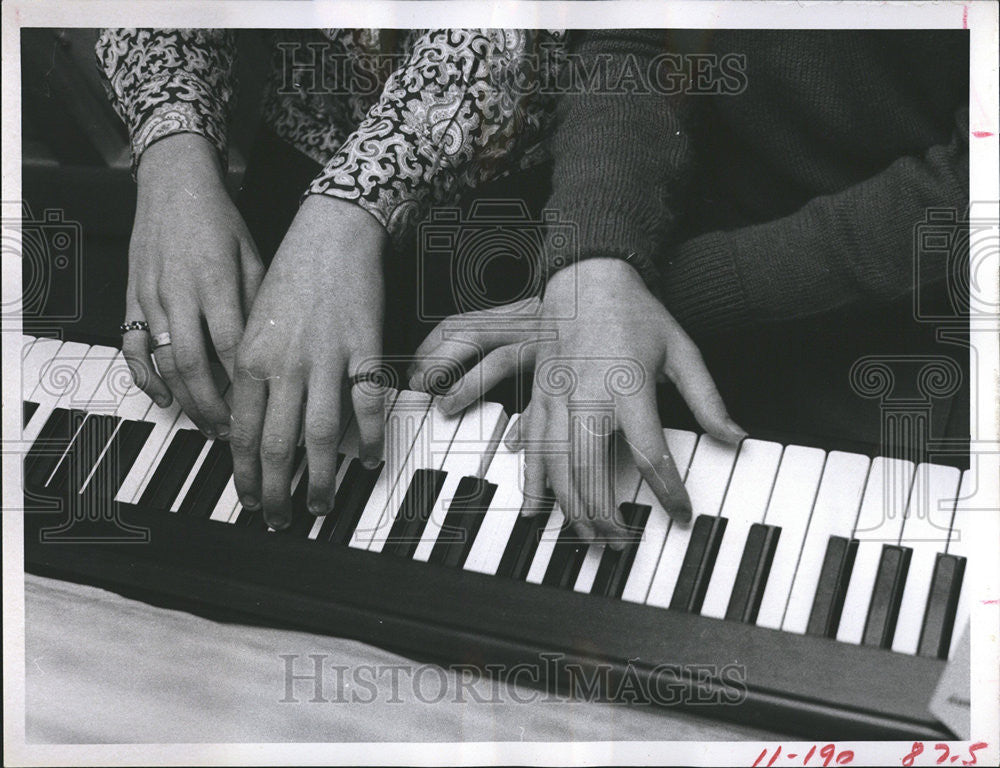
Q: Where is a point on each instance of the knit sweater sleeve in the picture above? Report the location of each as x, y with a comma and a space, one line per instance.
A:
857, 244
620, 149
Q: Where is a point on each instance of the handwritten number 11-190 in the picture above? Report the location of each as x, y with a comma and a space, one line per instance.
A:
828, 753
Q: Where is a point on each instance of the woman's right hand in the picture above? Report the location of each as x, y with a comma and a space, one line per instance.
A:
191, 259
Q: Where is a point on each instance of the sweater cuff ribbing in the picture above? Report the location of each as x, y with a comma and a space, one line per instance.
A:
702, 288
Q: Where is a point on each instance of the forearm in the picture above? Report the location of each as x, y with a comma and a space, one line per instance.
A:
446, 121
838, 249
619, 159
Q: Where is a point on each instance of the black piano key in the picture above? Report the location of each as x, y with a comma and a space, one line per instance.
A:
942, 604
699, 560
521, 546
567, 556
80, 460
210, 482
751, 576
834, 578
887, 595
173, 469
48, 448
119, 458
612, 573
462, 522
302, 519
250, 518
28, 409
349, 503
414, 512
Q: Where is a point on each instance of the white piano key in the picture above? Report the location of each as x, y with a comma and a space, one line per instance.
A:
506, 472
706, 480
56, 377
195, 468
227, 503
166, 422
470, 454
837, 505
708, 475
349, 448
790, 507
925, 531
627, 479
745, 504
402, 425
428, 451
653, 571
959, 538
103, 381
880, 521
546, 545
33, 361
90, 391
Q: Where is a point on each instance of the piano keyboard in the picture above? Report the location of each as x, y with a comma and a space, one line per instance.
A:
817, 560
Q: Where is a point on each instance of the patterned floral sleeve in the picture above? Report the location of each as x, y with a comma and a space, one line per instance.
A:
166, 81
463, 108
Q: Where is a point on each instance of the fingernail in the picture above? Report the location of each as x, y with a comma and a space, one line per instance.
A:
162, 400
249, 502
317, 508
416, 384
681, 514
222, 430
208, 433
278, 522
736, 429
369, 462
617, 544
447, 407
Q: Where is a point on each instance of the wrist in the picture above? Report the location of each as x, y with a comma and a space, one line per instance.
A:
596, 274
180, 155
344, 221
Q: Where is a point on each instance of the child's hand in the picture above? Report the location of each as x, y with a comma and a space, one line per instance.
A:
598, 343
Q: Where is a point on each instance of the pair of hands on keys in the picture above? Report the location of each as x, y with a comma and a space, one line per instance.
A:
290, 341
599, 342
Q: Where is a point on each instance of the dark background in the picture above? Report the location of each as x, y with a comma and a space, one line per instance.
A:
786, 382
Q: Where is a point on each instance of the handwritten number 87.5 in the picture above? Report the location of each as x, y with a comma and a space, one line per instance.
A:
946, 757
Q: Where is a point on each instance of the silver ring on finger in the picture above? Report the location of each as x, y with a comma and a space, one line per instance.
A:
160, 340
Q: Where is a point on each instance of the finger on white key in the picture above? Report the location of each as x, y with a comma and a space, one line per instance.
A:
646, 568
402, 425
626, 486
505, 471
